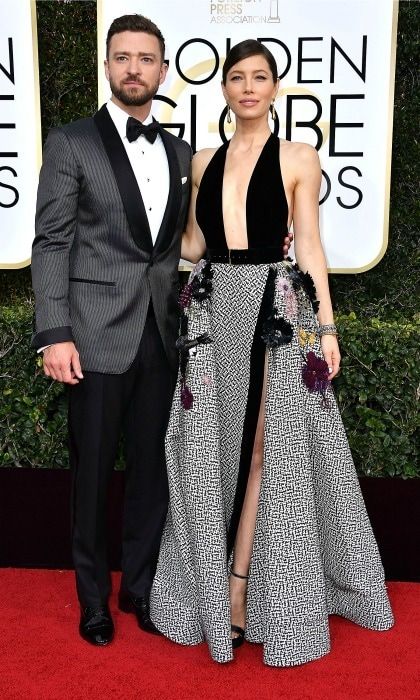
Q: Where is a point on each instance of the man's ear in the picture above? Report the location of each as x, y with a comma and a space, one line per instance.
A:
163, 72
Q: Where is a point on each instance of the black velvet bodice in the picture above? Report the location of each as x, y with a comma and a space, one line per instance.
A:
266, 203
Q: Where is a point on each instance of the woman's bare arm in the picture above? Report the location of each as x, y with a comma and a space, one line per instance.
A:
193, 244
308, 248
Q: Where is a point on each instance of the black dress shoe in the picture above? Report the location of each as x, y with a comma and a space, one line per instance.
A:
141, 609
96, 625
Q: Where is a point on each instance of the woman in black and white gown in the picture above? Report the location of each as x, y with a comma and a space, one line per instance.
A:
267, 532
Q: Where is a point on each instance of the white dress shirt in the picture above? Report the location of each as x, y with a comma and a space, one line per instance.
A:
150, 167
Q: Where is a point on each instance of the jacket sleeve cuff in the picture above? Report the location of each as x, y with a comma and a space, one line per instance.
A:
62, 334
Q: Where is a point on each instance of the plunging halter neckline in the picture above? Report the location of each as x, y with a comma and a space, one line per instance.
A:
266, 205
226, 147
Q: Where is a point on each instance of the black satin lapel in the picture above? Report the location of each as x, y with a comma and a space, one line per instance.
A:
126, 181
167, 227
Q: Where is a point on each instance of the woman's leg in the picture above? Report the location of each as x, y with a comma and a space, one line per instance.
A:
245, 534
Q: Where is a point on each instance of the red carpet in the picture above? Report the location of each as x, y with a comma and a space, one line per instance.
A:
43, 658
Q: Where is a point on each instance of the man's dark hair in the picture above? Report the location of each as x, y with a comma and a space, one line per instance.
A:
135, 23
245, 49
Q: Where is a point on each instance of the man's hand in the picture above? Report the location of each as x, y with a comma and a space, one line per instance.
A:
287, 243
61, 362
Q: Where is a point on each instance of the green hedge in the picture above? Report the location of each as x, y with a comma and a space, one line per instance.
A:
33, 429
376, 392
375, 310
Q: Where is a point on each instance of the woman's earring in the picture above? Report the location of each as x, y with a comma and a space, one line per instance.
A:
228, 115
273, 112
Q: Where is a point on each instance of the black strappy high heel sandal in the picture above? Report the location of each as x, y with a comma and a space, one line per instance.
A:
239, 640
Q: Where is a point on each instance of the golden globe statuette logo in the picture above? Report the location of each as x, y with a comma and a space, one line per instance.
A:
274, 11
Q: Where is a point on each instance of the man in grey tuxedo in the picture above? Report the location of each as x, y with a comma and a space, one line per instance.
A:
112, 202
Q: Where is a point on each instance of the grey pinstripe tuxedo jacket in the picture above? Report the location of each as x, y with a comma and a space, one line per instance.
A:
94, 265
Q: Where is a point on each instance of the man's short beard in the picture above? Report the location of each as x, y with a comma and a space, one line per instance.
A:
133, 99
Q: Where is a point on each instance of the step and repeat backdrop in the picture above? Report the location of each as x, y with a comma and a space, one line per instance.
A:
20, 130
336, 61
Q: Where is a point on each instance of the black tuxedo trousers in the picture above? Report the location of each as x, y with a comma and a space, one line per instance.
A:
102, 407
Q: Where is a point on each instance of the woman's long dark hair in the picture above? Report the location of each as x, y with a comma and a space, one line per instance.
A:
245, 49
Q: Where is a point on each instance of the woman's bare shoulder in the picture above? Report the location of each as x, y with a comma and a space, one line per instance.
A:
200, 162
301, 154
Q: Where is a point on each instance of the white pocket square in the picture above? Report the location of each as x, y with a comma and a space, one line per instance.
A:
183, 180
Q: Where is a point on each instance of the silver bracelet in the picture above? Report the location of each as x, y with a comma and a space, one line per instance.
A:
327, 329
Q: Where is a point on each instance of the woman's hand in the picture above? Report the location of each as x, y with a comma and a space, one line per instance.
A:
331, 352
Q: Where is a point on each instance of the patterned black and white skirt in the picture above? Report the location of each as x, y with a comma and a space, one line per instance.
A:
314, 552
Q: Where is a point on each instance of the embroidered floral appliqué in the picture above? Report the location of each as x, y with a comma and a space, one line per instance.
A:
199, 288
285, 288
306, 338
304, 281
315, 373
276, 330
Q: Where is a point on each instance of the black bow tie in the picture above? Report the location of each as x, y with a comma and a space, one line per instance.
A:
136, 128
